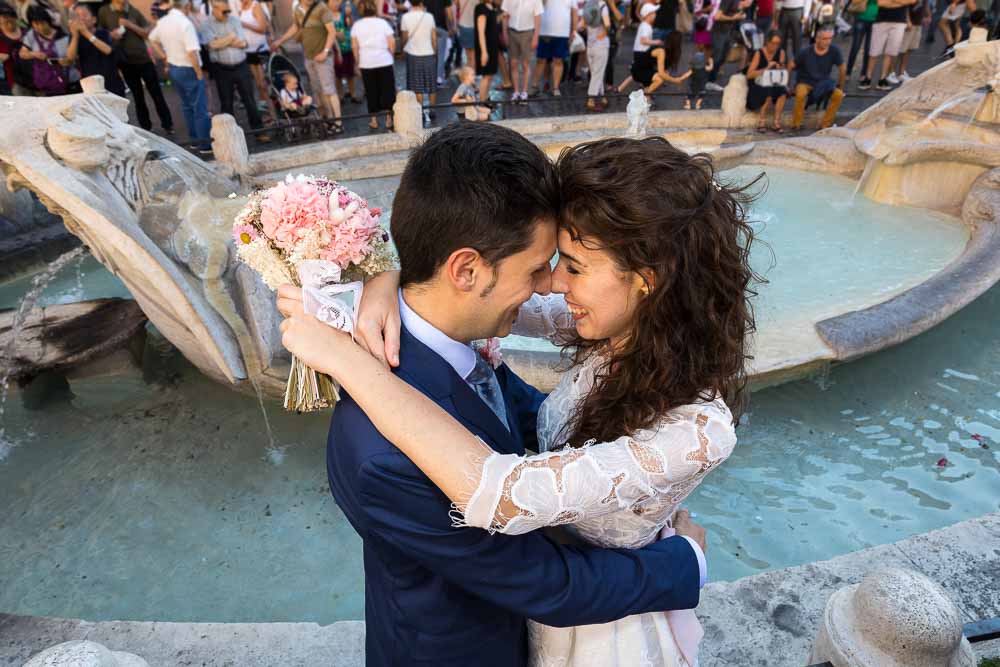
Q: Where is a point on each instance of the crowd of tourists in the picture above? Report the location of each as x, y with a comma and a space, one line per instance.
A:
523, 48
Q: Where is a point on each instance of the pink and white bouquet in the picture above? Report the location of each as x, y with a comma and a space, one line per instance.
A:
314, 233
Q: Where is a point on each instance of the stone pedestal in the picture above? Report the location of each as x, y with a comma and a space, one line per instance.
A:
229, 145
93, 85
407, 115
734, 100
84, 654
893, 618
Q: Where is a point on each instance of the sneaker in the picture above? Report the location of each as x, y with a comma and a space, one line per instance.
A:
893, 79
556, 93
204, 152
883, 84
904, 77
865, 83
713, 87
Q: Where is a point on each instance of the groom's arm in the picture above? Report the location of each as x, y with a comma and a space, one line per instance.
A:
528, 574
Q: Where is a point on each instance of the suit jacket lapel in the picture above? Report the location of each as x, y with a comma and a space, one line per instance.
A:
439, 380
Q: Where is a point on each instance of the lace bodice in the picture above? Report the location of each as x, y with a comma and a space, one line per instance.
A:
616, 494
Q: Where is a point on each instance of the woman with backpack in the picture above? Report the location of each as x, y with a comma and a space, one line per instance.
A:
597, 18
46, 46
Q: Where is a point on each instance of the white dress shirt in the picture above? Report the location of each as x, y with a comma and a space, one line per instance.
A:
177, 36
522, 13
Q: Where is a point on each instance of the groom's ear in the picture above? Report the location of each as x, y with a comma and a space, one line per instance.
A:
463, 268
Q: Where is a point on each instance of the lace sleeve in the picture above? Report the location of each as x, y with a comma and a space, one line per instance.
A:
518, 494
542, 317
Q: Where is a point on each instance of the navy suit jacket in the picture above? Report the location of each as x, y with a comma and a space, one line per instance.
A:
443, 596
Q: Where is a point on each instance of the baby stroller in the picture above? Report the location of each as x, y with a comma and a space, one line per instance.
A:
278, 65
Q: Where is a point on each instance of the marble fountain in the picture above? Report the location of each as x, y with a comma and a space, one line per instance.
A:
891, 219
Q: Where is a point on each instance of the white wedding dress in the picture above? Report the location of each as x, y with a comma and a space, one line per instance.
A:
611, 494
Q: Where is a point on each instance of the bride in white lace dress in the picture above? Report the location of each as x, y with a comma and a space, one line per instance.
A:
653, 286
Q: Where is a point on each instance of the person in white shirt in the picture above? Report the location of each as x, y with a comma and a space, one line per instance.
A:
175, 36
555, 32
420, 45
373, 42
524, 21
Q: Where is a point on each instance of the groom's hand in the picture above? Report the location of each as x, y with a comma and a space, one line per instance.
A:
688, 528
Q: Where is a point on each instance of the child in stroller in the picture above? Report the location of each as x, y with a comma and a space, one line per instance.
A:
291, 102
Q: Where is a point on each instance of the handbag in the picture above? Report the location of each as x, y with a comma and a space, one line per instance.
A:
685, 21
770, 78
577, 45
857, 6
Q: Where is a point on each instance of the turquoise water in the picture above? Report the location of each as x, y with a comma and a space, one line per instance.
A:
150, 495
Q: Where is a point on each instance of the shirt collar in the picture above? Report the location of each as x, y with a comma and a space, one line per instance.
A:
459, 356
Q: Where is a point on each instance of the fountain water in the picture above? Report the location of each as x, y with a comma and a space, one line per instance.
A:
38, 285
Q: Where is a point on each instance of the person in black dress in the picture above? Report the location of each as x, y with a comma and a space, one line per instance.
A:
770, 57
487, 50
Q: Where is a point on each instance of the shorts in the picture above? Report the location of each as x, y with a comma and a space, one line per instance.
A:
552, 48
258, 57
887, 38
345, 68
643, 67
955, 15
467, 37
911, 39
520, 44
321, 77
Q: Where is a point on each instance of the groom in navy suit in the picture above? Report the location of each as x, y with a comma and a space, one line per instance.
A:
474, 224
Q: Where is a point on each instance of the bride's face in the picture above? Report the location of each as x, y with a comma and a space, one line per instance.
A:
601, 297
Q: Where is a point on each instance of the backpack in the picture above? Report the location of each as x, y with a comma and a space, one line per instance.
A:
49, 78
592, 13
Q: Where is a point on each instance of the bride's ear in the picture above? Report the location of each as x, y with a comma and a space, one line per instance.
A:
463, 267
646, 280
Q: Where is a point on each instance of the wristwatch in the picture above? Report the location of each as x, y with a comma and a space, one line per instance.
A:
92, 38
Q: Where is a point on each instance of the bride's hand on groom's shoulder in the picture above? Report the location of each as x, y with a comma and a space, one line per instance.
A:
378, 318
313, 342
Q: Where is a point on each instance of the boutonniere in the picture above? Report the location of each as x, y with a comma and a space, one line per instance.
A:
489, 349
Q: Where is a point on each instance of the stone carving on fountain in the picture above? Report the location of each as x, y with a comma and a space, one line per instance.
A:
156, 216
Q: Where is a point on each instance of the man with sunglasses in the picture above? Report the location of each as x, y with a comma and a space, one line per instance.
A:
226, 42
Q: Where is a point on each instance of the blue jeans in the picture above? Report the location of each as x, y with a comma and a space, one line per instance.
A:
194, 104
862, 32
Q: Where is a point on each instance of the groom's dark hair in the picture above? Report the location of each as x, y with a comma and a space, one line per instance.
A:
470, 185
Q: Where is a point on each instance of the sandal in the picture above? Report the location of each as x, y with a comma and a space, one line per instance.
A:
762, 127
337, 127
778, 129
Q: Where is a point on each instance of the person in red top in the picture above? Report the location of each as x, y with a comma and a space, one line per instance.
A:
764, 16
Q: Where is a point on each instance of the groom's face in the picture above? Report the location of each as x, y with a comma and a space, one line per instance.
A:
515, 279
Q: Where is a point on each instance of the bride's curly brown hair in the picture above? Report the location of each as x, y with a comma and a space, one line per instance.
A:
658, 210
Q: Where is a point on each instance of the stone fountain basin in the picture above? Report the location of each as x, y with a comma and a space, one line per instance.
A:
788, 344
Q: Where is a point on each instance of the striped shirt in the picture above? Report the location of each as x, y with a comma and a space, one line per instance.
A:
212, 30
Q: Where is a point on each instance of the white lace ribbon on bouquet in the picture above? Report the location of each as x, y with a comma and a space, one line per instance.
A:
323, 294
